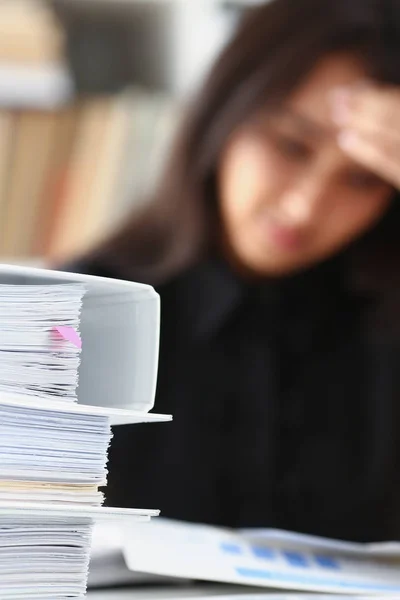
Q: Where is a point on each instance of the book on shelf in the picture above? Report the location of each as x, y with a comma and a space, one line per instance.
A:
27, 178
33, 68
71, 166
49, 205
88, 192
97, 159
30, 33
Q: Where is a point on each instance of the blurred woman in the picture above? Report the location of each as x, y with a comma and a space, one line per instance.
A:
273, 241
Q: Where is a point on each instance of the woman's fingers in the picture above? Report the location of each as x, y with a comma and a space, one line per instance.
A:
367, 107
368, 121
379, 153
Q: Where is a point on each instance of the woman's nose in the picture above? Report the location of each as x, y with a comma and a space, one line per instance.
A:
303, 200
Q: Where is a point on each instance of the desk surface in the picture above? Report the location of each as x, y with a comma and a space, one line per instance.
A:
168, 593
212, 593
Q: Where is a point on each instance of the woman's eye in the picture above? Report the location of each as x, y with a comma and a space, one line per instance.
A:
364, 180
292, 148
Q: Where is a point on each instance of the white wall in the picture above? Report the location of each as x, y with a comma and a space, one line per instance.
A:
200, 30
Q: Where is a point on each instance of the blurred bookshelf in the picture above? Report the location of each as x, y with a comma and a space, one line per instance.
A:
89, 101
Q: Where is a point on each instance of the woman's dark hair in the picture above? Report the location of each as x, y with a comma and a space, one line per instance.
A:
274, 48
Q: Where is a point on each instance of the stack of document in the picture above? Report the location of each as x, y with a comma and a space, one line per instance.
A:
43, 557
51, 455
45, 549
35, 359
53, 450
47, 453
47, 457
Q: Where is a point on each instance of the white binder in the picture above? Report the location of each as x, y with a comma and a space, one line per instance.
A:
120, 323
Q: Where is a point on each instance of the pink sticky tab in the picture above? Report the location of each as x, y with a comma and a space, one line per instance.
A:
69, 334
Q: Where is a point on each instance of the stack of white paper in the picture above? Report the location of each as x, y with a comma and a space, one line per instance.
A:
45, 549
53, 451
45, 456
34, 359
50, 455
43, 558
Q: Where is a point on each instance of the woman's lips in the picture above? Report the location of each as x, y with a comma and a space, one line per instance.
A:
283, 237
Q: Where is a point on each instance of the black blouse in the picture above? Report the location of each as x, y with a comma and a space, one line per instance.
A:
285, 415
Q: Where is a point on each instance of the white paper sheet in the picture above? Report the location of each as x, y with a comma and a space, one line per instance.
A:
108, 566
117, 416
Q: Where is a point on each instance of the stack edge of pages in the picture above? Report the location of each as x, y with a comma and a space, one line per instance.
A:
53, 454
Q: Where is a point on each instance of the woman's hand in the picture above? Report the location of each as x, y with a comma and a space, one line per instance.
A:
368, 118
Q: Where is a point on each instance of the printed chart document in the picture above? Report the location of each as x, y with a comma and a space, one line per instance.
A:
263, 558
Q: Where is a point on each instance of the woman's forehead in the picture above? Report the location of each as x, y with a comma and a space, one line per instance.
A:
312, 98
332, 70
